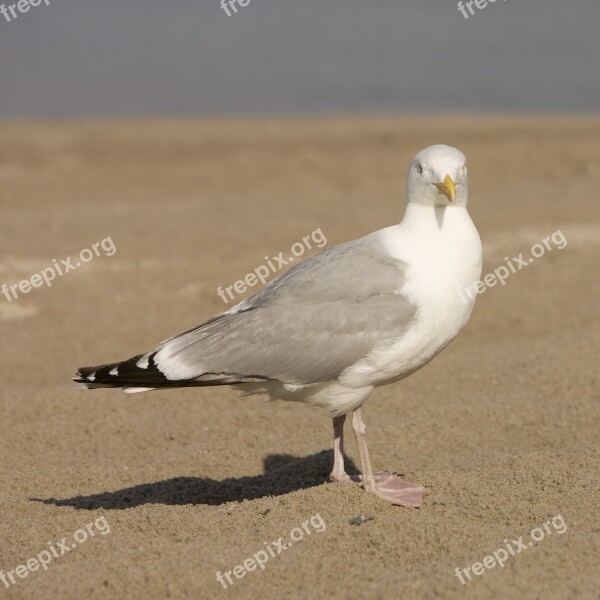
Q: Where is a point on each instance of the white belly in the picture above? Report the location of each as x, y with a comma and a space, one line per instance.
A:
441, 260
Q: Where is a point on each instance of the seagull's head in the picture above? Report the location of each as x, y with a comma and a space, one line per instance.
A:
437, 176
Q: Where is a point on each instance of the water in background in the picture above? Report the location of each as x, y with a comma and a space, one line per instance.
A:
186, 57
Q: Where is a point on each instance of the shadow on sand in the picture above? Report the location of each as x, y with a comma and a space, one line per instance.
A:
282, 474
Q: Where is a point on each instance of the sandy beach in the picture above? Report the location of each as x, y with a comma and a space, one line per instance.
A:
174, 487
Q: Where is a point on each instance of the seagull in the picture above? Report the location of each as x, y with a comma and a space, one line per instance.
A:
332, 329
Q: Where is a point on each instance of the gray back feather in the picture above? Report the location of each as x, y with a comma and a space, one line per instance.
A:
306, 326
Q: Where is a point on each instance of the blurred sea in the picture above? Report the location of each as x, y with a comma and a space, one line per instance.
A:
153, 57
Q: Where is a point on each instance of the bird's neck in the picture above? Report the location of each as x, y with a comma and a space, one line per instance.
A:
420, 217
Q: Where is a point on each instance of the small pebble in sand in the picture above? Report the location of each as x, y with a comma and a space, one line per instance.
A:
360, 519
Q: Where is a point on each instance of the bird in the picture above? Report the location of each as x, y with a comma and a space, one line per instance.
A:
354, 317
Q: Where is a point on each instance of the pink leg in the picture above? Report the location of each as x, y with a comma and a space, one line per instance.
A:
387, 486
339, 471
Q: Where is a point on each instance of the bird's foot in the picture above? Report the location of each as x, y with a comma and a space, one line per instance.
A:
340, 477
392, 488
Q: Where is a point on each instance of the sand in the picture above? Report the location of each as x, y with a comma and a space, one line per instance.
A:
501, 428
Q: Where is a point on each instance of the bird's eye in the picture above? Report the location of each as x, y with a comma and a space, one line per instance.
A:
420, 169
465, 167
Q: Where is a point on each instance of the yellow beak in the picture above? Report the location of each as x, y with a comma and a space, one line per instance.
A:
448, 188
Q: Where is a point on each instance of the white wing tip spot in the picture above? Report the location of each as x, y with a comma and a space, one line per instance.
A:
143, 362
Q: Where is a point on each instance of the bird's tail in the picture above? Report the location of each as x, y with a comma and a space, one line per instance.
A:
136, 374
124, 374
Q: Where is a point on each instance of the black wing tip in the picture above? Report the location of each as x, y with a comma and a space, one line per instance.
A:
120, 374
127, 374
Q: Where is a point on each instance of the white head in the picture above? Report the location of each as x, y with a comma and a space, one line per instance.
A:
437, 176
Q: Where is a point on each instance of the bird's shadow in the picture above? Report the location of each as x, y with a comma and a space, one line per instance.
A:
282, 474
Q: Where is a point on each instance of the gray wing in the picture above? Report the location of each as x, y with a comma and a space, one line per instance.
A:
307, 326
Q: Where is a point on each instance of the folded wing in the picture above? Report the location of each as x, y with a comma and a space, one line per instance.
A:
307, 326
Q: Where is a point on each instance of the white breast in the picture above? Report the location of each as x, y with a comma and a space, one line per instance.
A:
443, 252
